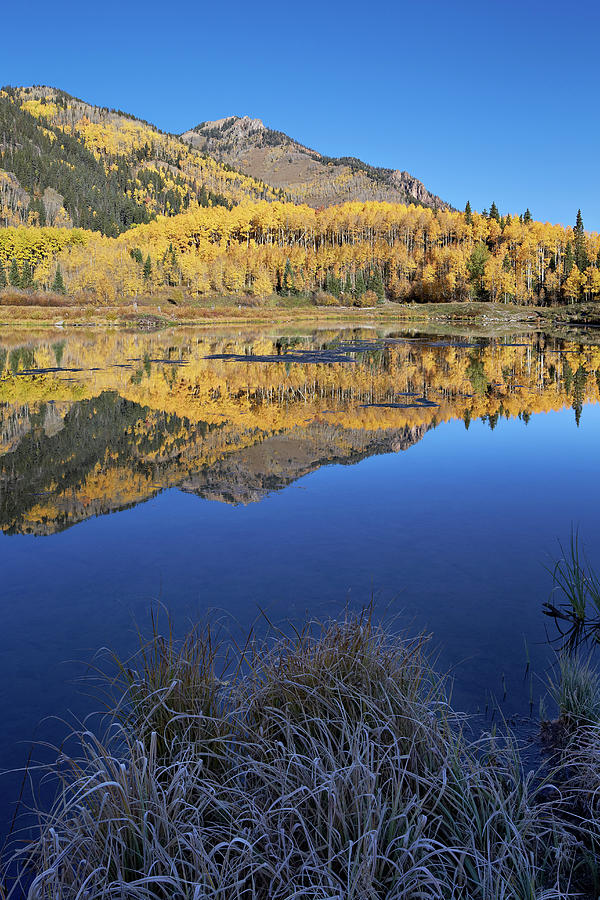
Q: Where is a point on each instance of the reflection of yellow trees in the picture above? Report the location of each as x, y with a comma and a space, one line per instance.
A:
243, 403
172, 374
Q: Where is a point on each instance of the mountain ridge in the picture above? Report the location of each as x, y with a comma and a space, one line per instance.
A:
106, 169
305, 174
67, 162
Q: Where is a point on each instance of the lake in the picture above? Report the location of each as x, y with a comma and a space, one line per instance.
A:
255, 476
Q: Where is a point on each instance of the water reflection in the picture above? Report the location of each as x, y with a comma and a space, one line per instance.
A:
90, 424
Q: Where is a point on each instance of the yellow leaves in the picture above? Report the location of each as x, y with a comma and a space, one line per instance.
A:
40, 110
592, 282
574, 284
34, 245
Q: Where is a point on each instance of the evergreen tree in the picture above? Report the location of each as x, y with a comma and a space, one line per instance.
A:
376, 284
508, 219
569, 258
332, 284
580, 251
598, 260
147, 268
468, 214
14, 276
494, 214
527, 217
27, 276
287, 284
58, 285
359, 285
3, 279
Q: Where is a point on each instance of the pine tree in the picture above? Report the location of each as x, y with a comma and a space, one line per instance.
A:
287, 284
377, 284
527, 217
14, 276
27, 276
3, 279
569, 258
147, 268
359, 284
580, 251
468, 214
494, 214
58, 285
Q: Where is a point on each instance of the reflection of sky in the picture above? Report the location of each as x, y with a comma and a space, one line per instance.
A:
453, 533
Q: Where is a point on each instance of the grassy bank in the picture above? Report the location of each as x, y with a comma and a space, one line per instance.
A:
175, 308
327, 766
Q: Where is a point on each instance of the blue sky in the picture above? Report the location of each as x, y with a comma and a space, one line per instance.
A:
482, 101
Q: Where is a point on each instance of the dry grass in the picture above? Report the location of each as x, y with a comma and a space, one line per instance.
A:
17, 297
332, 768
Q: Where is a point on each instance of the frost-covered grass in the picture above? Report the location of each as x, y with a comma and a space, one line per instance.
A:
325, 766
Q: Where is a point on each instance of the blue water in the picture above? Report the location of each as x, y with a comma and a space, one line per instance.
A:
451, 536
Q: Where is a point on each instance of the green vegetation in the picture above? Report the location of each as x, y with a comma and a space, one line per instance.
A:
576, 613
42, 156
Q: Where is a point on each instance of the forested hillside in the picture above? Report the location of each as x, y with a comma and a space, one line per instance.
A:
352, 254
306, 175
96, 203
65, 162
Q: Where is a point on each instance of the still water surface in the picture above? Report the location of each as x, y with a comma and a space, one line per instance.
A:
295, 474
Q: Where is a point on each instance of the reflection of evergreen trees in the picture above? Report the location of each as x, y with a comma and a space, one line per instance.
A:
107, 424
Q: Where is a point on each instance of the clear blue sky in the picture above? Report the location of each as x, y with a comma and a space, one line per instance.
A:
489, 100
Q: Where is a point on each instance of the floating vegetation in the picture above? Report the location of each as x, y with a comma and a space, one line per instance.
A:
304, 357
420, 403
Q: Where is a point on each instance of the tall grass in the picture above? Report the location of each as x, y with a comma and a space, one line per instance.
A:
576, 692
576, 587
332, 768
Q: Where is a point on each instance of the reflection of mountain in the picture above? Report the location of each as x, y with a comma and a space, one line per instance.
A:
93, 424
110, 453
250, 474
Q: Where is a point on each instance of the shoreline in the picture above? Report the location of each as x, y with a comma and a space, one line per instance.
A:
152, 314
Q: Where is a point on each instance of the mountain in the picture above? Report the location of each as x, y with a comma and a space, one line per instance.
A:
66, 162
304, 174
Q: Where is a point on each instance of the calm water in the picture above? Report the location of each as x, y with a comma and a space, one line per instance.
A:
292, 473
